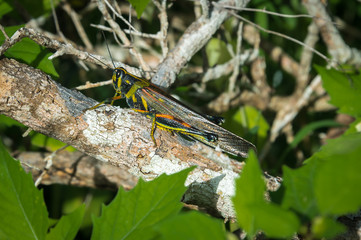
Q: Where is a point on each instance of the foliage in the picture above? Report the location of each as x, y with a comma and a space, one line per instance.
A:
24, 207
152, 209
139, 6
21, 202
344, 90
29, 52
253, 212
42, 8
147, 204
68, 226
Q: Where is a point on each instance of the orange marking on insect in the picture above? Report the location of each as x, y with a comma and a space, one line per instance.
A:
140, 111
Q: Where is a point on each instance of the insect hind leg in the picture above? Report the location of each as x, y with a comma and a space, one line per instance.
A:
169, 123
215, 119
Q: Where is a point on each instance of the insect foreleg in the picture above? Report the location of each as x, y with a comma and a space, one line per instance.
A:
108, 100
117, 96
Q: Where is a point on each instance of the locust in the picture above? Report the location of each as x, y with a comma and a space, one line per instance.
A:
167, 113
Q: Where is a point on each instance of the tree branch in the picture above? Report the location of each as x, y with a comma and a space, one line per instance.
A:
78, 169
117, 136
60, 47
193, 39
337, 47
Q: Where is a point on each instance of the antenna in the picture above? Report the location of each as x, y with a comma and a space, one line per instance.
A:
111, 58
92, 56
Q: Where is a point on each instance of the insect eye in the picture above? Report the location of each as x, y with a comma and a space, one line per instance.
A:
118, 73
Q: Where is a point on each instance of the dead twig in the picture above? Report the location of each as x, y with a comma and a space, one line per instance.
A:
61, 48
122, 36
193, 39
89, 85
337, 47
79, 27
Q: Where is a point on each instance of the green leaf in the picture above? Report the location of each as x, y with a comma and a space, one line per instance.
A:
299, 193
191, 225
338, 181
262, 20
250, 186
330, 181
24, 215
38, 8
5, 8
250, 190
139, 6
132, 214
309, 128
291, 23
345, 91
29, 52
323, 227
306, 130
355, 126
217, 52
68, 226
252, 118
249, 118
253, 212
9, 122
274, 221
49, 143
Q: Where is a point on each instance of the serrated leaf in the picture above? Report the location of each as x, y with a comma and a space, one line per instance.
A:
253, 212
29, 52
338, 181
323, 227
191, 225
345, 91
22, 207
139, 6
68, 226
132, 214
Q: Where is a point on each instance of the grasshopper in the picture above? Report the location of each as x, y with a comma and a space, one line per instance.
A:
169, 114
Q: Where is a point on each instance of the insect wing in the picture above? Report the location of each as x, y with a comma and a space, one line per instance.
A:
165, 104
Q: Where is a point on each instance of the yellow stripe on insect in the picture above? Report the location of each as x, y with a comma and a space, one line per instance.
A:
135, 87
145, 104
180, 130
